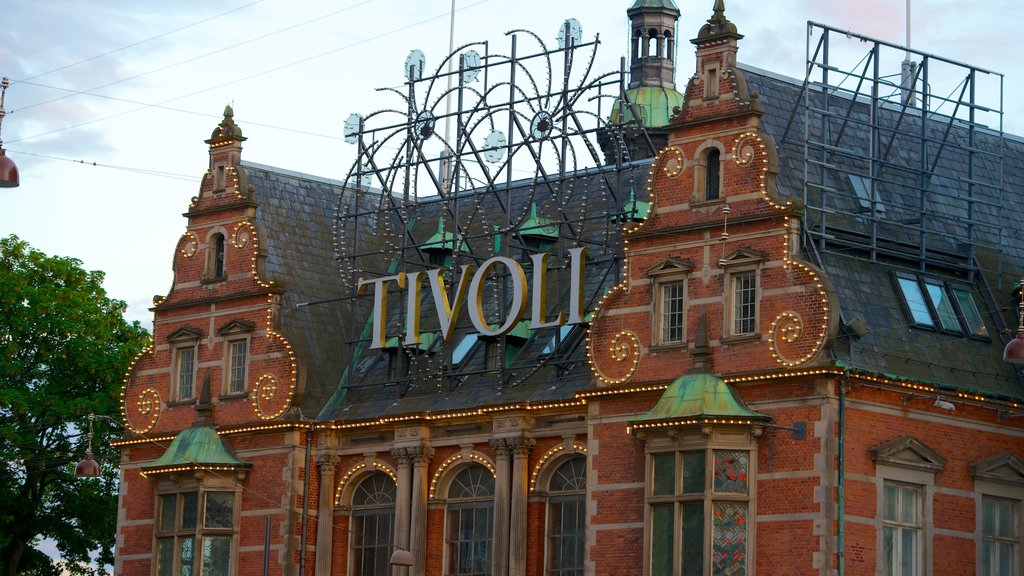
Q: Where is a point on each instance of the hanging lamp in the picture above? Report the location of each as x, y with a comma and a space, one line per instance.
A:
8, 170
88, 467
1014, 351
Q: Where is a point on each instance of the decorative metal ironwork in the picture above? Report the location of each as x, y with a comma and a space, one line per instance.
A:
499, 151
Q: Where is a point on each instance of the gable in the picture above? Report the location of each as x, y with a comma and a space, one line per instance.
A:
908, 452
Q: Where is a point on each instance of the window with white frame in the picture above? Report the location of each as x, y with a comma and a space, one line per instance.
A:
901, 529
742, 290
999, 496
238, 359
373, 520
1000, 536
905, 471
669, 279
744, 302
567, 518
185, 372
672, 296
195, 533
470, 522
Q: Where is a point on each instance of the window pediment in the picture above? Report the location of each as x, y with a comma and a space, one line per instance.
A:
743, 256
908, 452
1005, 468
236, 327
185, 334
670, 267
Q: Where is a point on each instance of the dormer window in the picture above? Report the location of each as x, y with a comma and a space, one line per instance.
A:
219, 178
670, 301
943, 306
215, 257
710, 82
236, 335
184, 344
712, 179
742, 293
708, 187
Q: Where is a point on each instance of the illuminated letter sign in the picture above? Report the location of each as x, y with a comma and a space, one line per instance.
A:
470, 288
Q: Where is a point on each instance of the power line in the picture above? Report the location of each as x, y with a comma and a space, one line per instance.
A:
139, 43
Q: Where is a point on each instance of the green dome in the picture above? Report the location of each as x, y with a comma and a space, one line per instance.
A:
655, 104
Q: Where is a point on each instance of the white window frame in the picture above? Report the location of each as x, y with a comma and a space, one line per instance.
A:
179, 357
739, 264
554, 499
232, 366
894, 465
999, 477
669, 273
355, 511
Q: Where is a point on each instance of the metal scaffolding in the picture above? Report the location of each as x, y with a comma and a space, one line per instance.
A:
902, 152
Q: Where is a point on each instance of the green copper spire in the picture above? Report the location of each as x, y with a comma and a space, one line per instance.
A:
667, 4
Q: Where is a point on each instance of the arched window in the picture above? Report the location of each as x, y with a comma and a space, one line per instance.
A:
711, 175
373, 521
567, 517
669, 45
470, 521
215, 257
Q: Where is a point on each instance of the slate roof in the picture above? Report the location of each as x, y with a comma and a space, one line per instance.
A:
343, 379
296, 212
542, 365
978, 245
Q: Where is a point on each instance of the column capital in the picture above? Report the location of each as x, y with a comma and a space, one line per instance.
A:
328, 464
521, 447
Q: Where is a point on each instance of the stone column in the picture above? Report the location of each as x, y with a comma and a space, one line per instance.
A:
325, 514
420, 479
402, 504
499, 541
520, 487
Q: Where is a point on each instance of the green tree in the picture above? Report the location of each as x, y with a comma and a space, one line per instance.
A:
64, 348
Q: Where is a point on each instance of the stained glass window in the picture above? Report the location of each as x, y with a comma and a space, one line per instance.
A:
731, 471
729, 539
683, 512
193, 544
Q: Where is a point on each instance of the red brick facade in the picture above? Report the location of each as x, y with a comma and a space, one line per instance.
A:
815, 501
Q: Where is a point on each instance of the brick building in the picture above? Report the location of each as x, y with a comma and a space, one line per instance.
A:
773, 348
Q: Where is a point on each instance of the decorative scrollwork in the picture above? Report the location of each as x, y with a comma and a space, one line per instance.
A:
189, 244
785, 340
266, 398
241, 237
146, 405
744, 151
624, 352
672, 162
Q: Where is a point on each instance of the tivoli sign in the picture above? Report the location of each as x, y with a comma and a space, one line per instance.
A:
470, 289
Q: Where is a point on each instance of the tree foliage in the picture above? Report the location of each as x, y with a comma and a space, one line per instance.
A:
64, 348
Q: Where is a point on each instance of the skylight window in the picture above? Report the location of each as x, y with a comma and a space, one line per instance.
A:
563, 333
940, 305
862, 186
463, 347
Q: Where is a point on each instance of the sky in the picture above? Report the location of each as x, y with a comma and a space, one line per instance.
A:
110, 101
